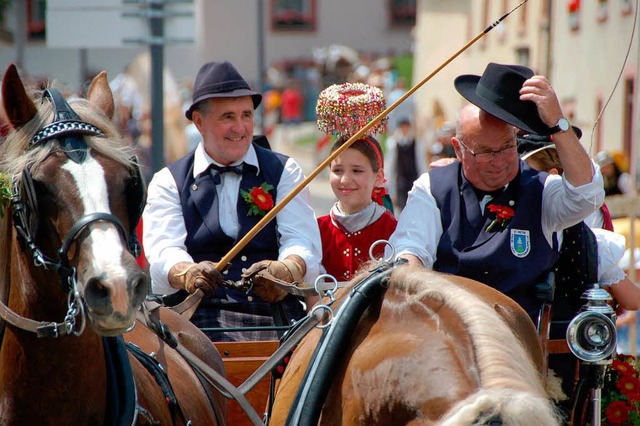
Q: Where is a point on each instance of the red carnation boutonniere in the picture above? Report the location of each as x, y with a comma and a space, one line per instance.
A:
258, 199
503, 215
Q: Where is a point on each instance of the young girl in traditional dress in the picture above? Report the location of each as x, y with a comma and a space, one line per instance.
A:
360, 217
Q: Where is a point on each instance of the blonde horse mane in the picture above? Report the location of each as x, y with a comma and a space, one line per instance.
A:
510, 384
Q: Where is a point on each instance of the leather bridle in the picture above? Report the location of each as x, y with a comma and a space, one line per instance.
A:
66, 128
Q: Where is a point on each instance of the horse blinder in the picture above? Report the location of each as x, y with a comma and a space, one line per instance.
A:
136, 194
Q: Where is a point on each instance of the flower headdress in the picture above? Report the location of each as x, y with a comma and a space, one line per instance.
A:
344, 109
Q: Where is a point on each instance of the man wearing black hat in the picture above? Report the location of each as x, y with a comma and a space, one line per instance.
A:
199, 207
490, 217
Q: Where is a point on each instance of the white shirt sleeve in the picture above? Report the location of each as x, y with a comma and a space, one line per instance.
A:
164, 231
564, 205
419, 226
297, 224
611, 247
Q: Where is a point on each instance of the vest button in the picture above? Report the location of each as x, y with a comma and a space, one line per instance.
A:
243, 258
194, 187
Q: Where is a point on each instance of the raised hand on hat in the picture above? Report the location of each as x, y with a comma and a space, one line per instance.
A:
577, 165
538, 90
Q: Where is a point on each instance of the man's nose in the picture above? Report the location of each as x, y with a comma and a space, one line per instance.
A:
237, 126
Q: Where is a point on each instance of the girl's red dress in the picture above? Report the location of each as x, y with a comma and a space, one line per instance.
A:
344, 252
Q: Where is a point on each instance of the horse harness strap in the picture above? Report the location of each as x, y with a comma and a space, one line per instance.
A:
318, 376
189, 305
155, 369
40, 328
226, 388
66, 122
202, 370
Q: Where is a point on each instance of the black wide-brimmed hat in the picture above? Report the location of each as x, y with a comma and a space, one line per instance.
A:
220, 80
497, 92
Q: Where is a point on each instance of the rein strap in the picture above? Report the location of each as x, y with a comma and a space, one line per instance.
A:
40, 328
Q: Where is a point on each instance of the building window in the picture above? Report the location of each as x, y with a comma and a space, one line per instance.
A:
627, 7
293, 15
36, 18
402, 12
523, 55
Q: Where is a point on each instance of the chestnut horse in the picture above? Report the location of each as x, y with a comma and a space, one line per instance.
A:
66, 260
434, 349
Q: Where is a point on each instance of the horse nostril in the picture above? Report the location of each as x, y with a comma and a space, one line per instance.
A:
140, 286
97, 295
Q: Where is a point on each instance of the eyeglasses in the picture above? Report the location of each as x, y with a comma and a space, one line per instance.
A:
485, 157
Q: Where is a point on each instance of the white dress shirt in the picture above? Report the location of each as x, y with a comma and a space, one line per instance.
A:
420, 227
164, 230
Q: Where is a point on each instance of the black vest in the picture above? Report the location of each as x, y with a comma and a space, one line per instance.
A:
207, 241
512, 260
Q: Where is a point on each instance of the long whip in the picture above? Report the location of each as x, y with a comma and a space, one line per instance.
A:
278, 207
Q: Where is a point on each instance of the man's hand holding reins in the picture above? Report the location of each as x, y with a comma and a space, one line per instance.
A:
194, 276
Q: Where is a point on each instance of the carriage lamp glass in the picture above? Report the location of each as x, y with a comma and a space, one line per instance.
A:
592, 335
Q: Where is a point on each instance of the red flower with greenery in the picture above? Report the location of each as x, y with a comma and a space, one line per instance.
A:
503, 215
258, 199
621, 392
617, 413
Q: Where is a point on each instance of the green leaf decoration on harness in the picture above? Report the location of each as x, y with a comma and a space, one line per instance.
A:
5, 192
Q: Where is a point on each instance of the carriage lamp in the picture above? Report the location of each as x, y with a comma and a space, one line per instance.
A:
592, 335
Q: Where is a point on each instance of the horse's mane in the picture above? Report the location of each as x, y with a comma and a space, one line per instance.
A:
501, 358
17, 154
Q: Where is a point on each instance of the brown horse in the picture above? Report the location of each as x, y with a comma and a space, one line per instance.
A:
65, 259
435, 349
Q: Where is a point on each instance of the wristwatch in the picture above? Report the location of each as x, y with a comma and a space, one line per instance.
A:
562, 126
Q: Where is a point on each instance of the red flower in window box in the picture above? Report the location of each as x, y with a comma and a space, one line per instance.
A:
574, 6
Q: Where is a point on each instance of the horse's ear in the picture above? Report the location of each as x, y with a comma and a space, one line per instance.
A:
18, 106
100, 94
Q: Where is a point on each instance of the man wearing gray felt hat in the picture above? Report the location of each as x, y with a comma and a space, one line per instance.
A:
220, 80
202, 205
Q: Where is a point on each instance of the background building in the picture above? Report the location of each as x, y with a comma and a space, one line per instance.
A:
220, 29
580, 46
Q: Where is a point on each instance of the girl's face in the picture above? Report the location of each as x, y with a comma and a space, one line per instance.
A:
353, 179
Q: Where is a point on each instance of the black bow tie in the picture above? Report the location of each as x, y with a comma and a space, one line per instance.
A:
223, 169
481, 194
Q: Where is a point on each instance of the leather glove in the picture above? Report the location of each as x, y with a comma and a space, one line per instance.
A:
203, 276
263, 273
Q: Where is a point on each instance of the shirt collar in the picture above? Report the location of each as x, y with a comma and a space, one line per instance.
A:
201, 160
